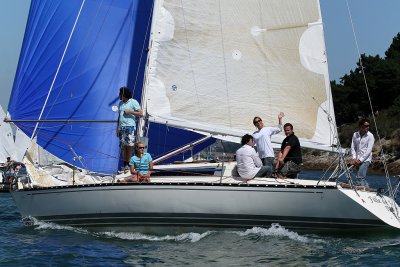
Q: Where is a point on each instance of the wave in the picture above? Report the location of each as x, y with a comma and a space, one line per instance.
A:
278, 231
344, 245
185, 237
40, 225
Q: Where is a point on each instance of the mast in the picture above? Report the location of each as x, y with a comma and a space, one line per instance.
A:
142, 120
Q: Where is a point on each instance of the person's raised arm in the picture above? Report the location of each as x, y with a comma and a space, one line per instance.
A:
280, 116
278, 129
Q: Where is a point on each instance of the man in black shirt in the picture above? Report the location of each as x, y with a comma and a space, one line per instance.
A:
289, 158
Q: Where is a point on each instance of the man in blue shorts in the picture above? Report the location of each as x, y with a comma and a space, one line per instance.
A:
128, 109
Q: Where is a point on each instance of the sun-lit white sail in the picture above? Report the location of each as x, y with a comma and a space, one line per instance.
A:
7, 145
214, 65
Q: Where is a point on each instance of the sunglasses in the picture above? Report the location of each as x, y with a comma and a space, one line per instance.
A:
141, 147
366, 125
257, 121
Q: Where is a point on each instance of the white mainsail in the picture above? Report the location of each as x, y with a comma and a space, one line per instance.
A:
214, 65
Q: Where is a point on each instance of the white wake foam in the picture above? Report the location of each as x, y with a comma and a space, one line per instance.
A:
185, 237
279, 231
40, 225
275, 230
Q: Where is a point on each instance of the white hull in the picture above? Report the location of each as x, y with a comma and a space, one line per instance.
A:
184, 202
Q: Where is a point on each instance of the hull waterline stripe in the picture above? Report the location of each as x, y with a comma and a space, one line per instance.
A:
221, 220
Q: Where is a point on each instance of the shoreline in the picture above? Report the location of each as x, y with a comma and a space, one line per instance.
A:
326, 160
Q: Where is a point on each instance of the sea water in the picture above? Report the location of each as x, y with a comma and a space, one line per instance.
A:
47, 244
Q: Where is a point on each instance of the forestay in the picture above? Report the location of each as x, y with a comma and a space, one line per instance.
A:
214, 65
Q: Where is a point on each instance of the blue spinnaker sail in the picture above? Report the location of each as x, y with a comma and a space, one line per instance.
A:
75, 56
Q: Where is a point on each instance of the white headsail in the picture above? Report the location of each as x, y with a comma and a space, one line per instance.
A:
214, 65
7, 145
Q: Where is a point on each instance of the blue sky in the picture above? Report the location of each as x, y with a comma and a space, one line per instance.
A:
376, 22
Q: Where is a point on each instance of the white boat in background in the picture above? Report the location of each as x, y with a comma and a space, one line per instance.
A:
211, 67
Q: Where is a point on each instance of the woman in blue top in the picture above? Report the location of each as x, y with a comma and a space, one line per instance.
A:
141, 164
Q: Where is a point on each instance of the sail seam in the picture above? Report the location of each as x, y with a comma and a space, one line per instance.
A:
190, 58
224, 60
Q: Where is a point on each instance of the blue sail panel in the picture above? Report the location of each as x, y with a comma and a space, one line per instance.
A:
78, 69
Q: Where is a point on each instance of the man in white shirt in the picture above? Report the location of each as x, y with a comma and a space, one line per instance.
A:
249, 164
262, 138
361, 150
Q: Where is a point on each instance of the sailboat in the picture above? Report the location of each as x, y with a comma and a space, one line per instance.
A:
207, 68
8, 151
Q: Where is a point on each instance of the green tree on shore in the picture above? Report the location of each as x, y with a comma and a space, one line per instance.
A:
382, 77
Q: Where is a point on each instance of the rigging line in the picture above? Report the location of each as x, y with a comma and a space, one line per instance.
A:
144, 43
79, 158
80, 126
145, 83
64, 142
65, 121
131, 30
59, 66
93, 42
332, 127
370, 103
90, 52
334, 133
